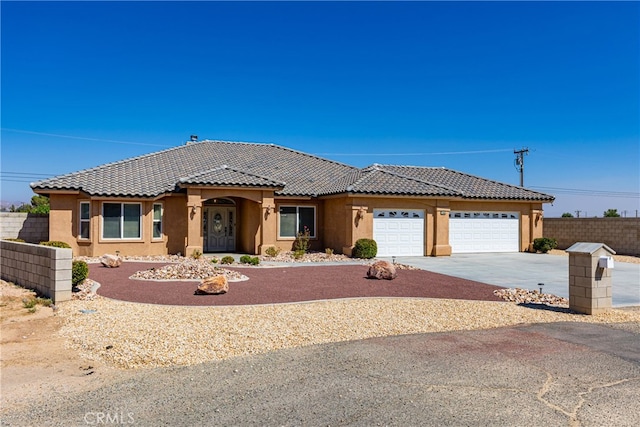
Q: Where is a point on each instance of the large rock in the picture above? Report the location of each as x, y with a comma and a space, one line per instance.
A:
382, 270
213, 286
111, 261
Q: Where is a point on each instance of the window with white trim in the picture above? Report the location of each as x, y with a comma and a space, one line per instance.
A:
295, 219
84, 220
157, 221
121, 220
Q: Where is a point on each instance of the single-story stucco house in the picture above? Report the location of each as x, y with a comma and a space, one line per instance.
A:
218, 196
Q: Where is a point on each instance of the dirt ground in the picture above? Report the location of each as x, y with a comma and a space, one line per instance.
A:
33, 359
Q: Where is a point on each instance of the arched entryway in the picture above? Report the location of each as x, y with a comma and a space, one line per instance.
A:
219, 225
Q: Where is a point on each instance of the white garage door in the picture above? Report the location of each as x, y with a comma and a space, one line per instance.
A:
484, 232
399, 232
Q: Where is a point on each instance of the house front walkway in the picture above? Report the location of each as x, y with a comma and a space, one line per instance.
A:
286, 285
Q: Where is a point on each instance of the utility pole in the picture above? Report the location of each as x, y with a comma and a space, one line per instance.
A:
578, 214
519, 163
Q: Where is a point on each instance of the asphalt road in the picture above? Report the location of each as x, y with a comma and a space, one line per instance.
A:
546, 374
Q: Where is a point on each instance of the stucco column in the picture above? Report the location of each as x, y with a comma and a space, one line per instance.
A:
441, 230
359, 226
535, 227
194, 221
268, 224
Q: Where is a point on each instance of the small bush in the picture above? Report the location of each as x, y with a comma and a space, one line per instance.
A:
196, 254
302, 241
45, 302
544, 244
272, 251
79, 272
328, 251
29, 302
245, 259
365, 248
11, 239
255, 260
298, 254
227, 260
214, 260
56, 244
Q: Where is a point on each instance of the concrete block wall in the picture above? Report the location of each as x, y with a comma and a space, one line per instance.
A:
32, 228
41, 268
620, 234
590, 287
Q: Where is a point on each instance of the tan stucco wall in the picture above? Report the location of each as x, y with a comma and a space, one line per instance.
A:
340, 221
284, 243
358, 219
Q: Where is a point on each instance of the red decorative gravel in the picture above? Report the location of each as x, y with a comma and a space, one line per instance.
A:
286, 284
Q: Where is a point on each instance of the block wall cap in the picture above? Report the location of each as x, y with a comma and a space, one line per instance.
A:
589, 248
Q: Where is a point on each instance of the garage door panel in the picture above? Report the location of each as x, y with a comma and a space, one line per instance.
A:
484, 232
399, 232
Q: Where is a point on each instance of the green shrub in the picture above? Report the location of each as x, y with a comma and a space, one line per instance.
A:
245, 259
214, 260
227, 260
196, 254
29, 302
272, 251
544, 244
254, 260
365, 248
328, 251
79, 272
298, 254
302, 241
56, 244
11, 239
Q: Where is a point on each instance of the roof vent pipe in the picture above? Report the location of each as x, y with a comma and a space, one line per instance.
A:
194, 138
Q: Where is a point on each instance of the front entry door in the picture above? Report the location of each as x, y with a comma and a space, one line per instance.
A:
219, 229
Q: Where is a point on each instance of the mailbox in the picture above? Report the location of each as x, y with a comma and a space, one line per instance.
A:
605, 262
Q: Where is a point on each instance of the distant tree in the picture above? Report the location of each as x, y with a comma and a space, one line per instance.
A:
39, 205
611, 213
567, 215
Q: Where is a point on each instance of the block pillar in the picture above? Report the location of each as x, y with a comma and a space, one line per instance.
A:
194, 222
441, 219
590, 279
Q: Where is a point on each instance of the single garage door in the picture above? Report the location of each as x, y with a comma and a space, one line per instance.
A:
399, 232
484, 232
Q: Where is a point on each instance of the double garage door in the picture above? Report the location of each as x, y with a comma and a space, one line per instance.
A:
471, 232
401, 232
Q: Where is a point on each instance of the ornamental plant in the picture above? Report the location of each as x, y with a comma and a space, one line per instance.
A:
227, 260
79, 272
56, 244
544, 244
365, 248
302, 241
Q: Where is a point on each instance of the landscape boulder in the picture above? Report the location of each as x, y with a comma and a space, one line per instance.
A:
213, 285
111, 261
382, 270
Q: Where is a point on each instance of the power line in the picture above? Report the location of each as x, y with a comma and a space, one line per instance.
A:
414, 154
82, 138
589, 192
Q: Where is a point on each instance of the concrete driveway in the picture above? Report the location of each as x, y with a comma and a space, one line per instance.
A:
526, 270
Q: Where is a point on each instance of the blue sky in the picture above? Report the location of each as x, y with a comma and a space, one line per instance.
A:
86, 83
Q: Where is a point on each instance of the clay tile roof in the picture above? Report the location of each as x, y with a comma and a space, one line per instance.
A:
470, 186
226, 176
247, 163
376, 180
289, 172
